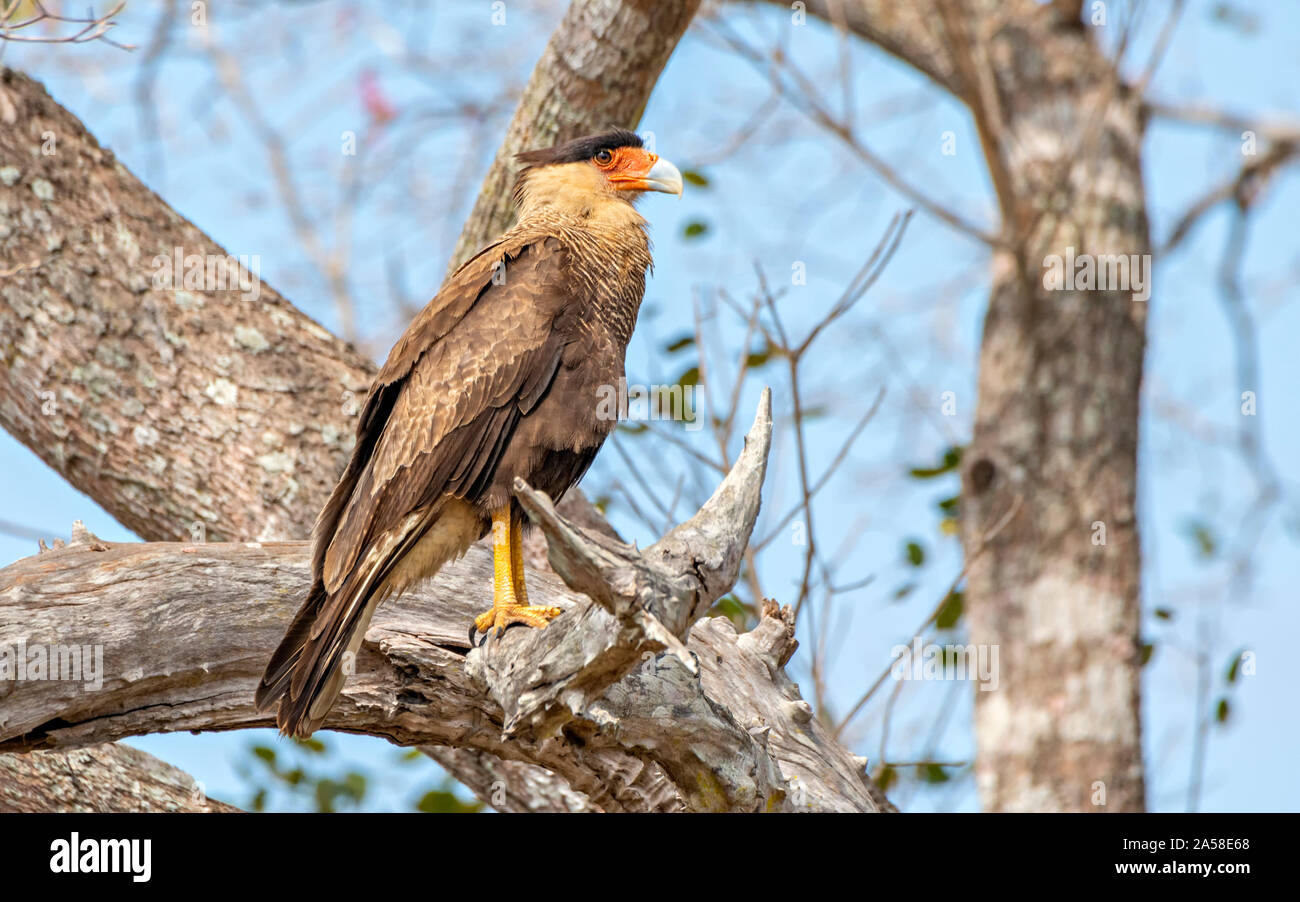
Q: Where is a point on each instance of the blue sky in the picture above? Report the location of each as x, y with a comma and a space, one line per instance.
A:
789, 194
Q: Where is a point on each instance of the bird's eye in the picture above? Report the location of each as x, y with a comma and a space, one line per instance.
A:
604, 157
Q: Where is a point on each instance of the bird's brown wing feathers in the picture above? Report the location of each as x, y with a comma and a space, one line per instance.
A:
460, 395
435, 424
462, 291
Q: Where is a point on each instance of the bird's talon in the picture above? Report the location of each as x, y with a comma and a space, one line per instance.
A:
499, 617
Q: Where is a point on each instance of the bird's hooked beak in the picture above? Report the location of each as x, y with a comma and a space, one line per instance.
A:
640, 170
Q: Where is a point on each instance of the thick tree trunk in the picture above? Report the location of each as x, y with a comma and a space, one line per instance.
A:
1055, 439
187, 414
1054, 450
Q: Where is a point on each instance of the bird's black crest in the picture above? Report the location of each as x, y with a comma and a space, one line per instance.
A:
580, 149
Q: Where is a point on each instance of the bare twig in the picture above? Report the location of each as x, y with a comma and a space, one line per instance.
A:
803, 93
91, 28
985, 541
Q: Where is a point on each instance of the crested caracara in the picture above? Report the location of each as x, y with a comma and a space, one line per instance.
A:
497, 378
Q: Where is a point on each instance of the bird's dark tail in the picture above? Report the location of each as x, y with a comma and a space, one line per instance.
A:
283, 665
307, 671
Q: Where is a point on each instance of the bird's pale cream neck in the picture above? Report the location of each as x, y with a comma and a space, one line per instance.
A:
605, 239
577, 194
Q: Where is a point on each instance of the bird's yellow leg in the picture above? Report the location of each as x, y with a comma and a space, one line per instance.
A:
509, 597
517, 566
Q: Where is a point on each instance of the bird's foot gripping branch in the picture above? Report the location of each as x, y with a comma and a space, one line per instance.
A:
645, 601
628, 698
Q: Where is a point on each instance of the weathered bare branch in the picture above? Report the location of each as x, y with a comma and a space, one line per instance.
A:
181, 629
1242, 187
510, 786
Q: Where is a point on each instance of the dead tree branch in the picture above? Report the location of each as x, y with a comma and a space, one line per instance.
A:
621, 697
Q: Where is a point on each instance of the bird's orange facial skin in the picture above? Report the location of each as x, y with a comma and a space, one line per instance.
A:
613, 174
626, 168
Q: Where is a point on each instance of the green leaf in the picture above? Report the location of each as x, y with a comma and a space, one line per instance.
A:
951, 461
1145, 651
355, 784
435, 801
933, 773
678, 344
690, 377
266, 753
310, 745
441, 801
903, 591
695, 177
886, 778
1222, 711
326, 792
695, 229
951, 611
755, 359
1164, 614
949, 505
1234, 666
915, 553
